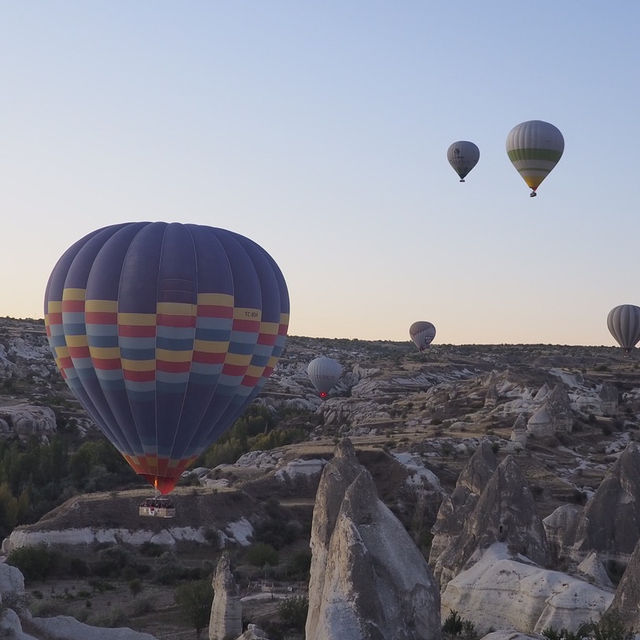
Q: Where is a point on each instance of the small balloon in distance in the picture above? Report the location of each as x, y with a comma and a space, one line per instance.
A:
463, 156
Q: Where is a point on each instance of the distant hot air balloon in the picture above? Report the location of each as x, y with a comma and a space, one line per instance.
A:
324, 373
623, 322
422, 333
463, 156
534, 148
165, 333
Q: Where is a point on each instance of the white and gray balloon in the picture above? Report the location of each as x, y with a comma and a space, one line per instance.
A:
324, 373
463, 156
623, 322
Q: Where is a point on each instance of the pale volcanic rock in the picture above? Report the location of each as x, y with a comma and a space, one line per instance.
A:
26, 420
368, 580
491, 395
540, 424
457, 507
226, 608
11, 580
627, 599
23, 537
519, 430
558, 404
542, 393
560, 528
509, 634
501, 591
68, 628
253, 632
610, 522
592, 570
505, 512
554, 416
609, 398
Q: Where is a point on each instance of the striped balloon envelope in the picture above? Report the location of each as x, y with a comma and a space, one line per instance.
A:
534, 148
165, 333
623, 323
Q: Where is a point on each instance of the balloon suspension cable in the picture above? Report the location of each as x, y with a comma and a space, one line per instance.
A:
533, 194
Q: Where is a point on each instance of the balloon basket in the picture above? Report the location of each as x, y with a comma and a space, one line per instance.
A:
157, 507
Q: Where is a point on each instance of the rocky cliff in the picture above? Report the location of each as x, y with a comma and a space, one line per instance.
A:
368, 580
505, 512
610, 522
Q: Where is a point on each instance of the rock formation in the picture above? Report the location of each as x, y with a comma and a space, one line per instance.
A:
505, 512
25, 420
500, 592
368, 580
560, 528
593, 571
610, 522
253, 632
226, 609
491, 396
519, 433
554, 416
609, 399
455, 508
627, 599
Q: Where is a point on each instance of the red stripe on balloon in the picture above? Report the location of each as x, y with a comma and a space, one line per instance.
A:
168, 320
106, 363
173, 367
100, 317
250, 326
137, 331
234, 369
72, 305
214, 311
139, 376
79, 352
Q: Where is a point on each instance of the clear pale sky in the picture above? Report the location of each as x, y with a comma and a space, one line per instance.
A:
320, 130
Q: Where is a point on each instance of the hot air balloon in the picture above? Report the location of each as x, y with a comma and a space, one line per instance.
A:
463, 156
623, 322
324, 373
165, 333
534, 148
422, 333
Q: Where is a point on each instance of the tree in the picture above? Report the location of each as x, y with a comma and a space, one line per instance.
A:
293, 612
194, 600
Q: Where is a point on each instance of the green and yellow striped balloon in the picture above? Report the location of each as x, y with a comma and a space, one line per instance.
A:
534, 148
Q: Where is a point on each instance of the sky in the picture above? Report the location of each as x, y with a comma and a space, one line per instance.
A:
320, 131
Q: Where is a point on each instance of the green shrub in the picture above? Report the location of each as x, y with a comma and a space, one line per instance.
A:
453, 623
299, 565
35, 563
151, 549
194, 600
261, 554
293, 612
455, 626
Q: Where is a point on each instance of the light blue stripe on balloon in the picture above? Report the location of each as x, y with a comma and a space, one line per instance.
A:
178, 333
129, 342
102, 329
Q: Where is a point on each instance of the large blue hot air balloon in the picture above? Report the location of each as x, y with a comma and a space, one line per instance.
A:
165, 333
